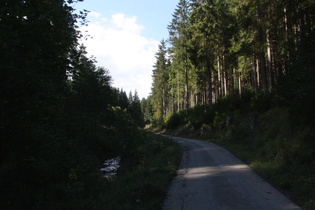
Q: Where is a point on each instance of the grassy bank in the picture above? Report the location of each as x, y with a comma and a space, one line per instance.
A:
272, 142
278, 149
144, 175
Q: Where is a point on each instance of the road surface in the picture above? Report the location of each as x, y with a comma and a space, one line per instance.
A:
210, 177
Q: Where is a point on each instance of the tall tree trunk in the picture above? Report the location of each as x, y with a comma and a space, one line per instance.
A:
234, 79
255, 77
262, 62
164, 104
286, 23
215, 87
262, 67
258, 73
224, 76
210, 90
239, 84
219, 75
209, 81
178, 93
186, 89
225, 83
208, 75
269, 55
206, 89
205, 94
172, 102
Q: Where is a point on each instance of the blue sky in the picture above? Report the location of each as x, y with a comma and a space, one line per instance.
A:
126, 35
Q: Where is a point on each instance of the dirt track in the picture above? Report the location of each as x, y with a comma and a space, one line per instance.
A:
210, 177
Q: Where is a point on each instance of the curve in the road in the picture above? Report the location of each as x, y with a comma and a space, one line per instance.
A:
210, 177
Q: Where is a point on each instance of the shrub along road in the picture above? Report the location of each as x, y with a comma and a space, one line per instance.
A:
210, 177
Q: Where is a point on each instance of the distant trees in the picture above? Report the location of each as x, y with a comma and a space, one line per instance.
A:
216, 48
160, 86
134, 109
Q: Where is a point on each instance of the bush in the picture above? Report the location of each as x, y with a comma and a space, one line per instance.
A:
175, 120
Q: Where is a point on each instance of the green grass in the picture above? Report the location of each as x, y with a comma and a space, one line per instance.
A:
144, 176
278, 149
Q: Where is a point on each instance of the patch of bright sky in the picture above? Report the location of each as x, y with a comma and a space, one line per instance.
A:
125, 37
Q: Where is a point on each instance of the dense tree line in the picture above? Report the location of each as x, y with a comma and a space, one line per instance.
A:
60, 116
216, 48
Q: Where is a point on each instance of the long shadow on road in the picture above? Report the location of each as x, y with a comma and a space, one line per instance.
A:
210, 177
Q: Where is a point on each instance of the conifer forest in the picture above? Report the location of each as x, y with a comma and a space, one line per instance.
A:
61, 117
219, 48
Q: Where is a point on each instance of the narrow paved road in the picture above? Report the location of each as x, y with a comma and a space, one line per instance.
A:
210, 177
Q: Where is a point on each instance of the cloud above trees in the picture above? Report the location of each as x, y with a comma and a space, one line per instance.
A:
117, 44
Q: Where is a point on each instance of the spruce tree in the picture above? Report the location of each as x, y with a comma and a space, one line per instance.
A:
160, 87
179, 37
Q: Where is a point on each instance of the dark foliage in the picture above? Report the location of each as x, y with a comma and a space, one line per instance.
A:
176, 119
58, 116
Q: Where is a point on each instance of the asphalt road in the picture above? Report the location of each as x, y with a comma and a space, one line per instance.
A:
210, 177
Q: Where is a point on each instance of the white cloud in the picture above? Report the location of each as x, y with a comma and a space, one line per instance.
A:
127, 23
95, 14
118, 45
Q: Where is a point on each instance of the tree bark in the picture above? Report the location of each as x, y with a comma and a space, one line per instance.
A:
178, 93
210, 90
262, 62
239, 84
219, 75
255, 77
262, 68
270, 73
186, 89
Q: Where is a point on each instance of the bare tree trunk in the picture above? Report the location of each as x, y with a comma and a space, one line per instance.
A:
205, 92
262, 62
210, 90
215, 88
255, 77
172, 104
225, 84
209, 81
224, 77
262, 68
219, 76
286, 23
208, 74
186, 90
269, 55
164, 104
178, 92
234, 79
258, 73
239, 84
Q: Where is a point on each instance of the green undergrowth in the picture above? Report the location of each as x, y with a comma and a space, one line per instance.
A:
273, 139
144, 176
278, 149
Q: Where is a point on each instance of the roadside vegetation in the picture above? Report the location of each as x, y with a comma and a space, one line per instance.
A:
241, 74
60, 118
144, 176
238, 73
273, 139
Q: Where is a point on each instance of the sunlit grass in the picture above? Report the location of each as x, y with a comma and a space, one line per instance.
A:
278, 151
278, 148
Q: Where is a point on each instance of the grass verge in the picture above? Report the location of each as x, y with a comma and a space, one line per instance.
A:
144, 175
276, 146
278, 149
